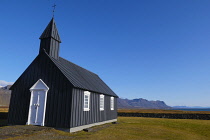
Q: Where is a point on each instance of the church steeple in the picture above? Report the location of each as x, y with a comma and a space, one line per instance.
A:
50, 40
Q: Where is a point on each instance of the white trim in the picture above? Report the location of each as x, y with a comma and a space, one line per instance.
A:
29, 112
86, 93
79, 128
35, 87
44, 108
112, 103
101, 97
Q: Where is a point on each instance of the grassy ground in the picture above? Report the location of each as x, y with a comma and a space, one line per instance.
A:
134, 128
161, 111
4, 109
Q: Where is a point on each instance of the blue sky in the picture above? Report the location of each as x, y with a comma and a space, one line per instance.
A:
152, 49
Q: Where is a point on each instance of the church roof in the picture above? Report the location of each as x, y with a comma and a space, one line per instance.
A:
82, 78
51, 31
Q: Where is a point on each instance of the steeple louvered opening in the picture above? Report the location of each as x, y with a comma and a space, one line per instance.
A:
50, 40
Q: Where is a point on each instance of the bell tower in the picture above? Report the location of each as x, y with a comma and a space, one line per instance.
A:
50, 40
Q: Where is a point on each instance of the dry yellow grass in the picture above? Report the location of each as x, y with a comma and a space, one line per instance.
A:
4, 109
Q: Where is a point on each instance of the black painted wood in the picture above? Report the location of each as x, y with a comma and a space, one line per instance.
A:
80, 117
41, 68
50, 40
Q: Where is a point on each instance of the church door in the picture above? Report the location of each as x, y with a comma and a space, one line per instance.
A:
36, 115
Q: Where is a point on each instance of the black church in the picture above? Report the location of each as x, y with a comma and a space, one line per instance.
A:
55, 92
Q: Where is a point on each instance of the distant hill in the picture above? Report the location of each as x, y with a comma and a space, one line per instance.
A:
179, 106
5, 95
188, 107
141, 103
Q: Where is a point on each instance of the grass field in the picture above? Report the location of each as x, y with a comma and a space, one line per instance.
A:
161, 111
136, 128
132, 128
153, 129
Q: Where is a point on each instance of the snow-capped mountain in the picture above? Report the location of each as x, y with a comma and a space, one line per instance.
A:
5, 83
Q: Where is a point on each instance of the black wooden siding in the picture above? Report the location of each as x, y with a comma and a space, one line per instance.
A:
58, 99
51, 46
94, 115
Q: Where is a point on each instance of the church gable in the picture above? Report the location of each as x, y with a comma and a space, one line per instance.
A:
43, 68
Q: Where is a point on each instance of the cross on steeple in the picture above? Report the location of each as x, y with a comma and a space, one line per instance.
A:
53, 9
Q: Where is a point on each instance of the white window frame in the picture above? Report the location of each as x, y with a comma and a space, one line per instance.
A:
112, 103
101, 101
87, 93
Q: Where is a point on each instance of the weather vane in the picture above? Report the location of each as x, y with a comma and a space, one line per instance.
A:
53, 9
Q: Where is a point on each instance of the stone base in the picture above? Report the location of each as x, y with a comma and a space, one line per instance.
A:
79, 128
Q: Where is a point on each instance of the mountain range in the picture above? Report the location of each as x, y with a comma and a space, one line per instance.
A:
5, 83
141, 104
5, 94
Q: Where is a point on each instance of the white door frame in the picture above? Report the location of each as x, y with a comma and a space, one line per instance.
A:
38, 86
